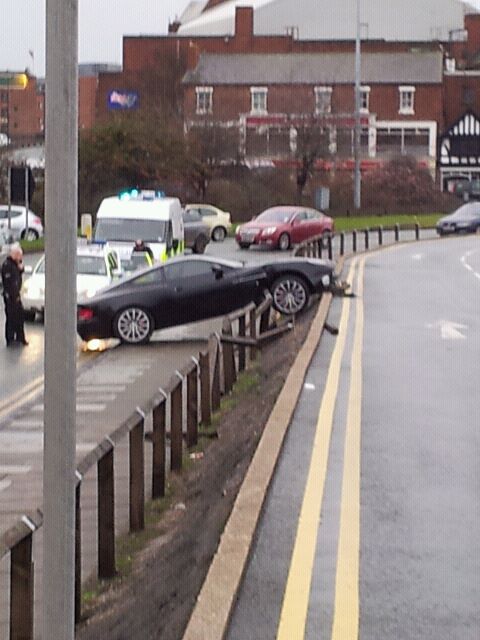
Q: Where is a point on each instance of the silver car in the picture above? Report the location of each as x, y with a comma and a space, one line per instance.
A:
18, 223
466, 219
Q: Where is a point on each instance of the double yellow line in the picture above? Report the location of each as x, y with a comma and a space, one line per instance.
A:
296, 598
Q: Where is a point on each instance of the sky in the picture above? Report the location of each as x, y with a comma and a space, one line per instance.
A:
102, 24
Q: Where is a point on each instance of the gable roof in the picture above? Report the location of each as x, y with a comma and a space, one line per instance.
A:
428, 20
316, 68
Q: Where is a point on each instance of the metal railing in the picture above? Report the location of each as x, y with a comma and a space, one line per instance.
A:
339, 244
198, 386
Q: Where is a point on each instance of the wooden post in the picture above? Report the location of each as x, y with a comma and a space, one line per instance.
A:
253, 333
380, 236
330, 247
106, 516
229, 368
342, 243
265, 320
137, 475
354, 240
205, 396
397, 232
158, 453
367, 239
241, 349
192, 408
417, 231
21, 590
176, 436
215, 362
78, 553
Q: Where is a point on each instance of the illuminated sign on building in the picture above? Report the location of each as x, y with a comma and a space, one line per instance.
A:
119, 99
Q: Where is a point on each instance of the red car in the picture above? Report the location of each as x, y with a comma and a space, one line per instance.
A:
280, 227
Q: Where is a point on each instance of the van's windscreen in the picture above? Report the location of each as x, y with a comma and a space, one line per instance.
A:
130, 230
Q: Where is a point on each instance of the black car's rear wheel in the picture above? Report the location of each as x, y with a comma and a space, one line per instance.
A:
290, 294
244, 245
133, 325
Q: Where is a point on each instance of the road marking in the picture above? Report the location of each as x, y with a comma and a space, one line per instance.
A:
81, 408
309, 386
19, 398
26, 424
346, 608
97, 397
295, 602
467, 266
4, 484
103, 388
12, 469
449, 330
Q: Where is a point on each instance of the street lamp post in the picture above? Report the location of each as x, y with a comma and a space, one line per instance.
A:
61, 144
357, 178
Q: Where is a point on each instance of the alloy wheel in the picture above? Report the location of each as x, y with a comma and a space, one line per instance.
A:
134, 325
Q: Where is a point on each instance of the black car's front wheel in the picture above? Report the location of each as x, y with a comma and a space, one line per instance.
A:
290, 294
133, 325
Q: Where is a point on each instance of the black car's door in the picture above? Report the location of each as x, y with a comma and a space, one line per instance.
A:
150, 291
203, 289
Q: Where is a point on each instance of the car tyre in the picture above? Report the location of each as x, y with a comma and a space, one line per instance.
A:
29, 234
200, 244
219, 234
290, 294
133, 325
244, 245
284, 242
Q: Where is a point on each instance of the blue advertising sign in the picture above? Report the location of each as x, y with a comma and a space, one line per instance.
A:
120, 99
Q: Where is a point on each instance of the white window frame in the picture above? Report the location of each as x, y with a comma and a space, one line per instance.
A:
406, 95
323, 105
364, 99
204, 100
254, 107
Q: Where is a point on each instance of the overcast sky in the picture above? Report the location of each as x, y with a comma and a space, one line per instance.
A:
102, 23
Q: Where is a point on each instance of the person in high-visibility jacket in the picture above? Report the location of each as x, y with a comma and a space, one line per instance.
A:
141, 247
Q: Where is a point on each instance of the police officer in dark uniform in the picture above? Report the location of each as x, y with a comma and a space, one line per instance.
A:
12, 270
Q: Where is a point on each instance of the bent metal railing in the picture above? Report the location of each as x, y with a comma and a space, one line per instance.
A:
198, 386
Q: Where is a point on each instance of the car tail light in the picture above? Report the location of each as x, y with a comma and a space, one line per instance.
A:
85, 314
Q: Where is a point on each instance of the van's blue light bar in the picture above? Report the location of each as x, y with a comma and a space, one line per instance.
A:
138, 194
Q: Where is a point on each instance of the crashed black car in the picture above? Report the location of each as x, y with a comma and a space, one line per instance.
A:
191, 288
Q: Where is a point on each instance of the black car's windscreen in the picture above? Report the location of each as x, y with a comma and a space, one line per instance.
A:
125, 229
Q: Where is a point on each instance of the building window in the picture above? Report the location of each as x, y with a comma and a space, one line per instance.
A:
407, 100
323, 99
204, 100
365, 99
259, 99
468, 96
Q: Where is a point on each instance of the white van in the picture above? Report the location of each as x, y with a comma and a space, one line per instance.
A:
141, 215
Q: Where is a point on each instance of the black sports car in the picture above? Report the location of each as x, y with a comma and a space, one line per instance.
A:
191, 288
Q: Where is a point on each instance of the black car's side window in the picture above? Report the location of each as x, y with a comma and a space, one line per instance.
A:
187, 269
150, 277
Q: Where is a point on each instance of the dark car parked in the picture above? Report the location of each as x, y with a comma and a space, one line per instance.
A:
197, 232
191, 288
465, 219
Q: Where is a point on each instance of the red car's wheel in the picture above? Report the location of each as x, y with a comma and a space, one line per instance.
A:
284, 242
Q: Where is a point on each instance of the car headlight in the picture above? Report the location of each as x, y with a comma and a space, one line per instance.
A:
269, 231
